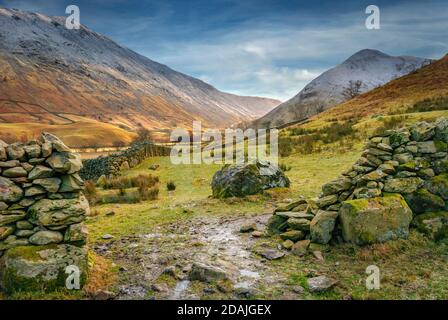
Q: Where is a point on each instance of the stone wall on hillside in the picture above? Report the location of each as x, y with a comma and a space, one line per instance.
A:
111, 165
400, 179
41, 208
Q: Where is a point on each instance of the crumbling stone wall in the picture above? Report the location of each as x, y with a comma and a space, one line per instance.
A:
111, 165
41, 204
402, 176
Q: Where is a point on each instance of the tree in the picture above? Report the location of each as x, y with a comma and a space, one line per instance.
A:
353, 90
143, 135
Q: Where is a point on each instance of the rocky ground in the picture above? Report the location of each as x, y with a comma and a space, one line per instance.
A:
161, 263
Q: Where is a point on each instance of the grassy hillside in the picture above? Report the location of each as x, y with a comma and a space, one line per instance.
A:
78, 134
429, 82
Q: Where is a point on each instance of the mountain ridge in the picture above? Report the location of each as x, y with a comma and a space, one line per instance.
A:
59, 75
371, 67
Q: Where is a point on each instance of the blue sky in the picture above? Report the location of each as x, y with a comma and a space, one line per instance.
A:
270, 48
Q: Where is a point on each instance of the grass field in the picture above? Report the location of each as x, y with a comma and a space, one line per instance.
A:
414, 269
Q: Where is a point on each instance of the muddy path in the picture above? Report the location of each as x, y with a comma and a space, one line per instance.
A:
157, 264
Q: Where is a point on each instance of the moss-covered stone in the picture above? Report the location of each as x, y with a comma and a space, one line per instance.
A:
322, 226
248, 179
441, 166
40, 268
293, 235
441, 146
433, 224
276, 224
439, 185
403, 185
424, 201
368, 221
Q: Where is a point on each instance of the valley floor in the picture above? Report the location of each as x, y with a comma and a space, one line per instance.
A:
155, 243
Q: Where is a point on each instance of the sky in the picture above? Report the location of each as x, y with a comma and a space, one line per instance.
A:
269, 48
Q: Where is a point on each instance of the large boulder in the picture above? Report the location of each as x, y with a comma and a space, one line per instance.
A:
9, 191
248, 179
367, 221
57, 213
40, 268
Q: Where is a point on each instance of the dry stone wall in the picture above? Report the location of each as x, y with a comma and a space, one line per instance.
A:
111, 165
41, 204
400, 180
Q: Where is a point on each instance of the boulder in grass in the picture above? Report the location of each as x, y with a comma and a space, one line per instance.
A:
375, 220
206, 273
247, 179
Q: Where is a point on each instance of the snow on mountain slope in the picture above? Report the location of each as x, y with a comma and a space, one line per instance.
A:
51, 74
371, 67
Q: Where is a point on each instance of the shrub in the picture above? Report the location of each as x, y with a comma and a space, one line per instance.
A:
284, 167
90, 192
389, 124
148, 193
130, 182
427, 105
135, 196
285, 146
170, 186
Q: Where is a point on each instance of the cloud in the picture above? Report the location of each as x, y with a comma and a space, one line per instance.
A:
267, 48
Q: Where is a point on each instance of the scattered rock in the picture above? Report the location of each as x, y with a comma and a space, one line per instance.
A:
320, 284
206, 273
248, 227
298, 289
271, 254
258, 234
103, 295
301, 248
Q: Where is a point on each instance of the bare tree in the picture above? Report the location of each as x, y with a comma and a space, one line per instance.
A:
143, 135
353, 90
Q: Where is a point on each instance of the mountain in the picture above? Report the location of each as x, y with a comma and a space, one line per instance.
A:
53, 76
426, 84
362, 72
